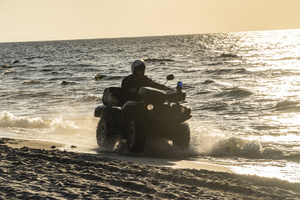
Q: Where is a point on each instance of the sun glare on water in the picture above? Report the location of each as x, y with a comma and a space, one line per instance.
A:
271, 171
277, 56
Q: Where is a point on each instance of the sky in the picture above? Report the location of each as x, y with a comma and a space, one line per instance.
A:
40, 20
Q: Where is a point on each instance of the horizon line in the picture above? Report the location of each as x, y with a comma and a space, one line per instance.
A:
124, 37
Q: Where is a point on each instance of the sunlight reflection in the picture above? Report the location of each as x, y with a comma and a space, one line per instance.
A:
271, 171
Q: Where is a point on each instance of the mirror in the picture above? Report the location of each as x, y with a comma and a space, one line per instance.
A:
170, 77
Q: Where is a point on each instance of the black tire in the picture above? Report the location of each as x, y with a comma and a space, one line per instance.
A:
136, 138
105, 134
182, 136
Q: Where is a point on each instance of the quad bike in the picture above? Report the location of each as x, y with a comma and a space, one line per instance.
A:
158, 113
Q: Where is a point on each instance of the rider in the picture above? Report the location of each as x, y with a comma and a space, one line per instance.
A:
132, 83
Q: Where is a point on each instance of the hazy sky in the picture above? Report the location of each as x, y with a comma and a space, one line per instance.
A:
31, 20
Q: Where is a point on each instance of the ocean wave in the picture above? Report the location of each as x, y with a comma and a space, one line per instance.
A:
288, 106
90, 98
294, 157
29, 94
34, 57
12, 64
9, 120
289, 58
99, 77
203, 92
6, 66
240, 147
158, 60
9, 72
47, 70
286, 103
192, 70
60, 124
235, 92
31, 82
214, 63
214, 106
228, 55
226, 71
206, 82
52, 66
67, 83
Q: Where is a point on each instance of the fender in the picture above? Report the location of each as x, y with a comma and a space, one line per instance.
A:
100, 111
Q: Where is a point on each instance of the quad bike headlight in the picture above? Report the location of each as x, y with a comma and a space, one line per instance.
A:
185, 109
150, 107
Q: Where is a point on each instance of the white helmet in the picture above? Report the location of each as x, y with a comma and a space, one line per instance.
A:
138, 64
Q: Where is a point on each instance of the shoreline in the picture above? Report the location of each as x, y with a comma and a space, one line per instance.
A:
49, 173
175, 163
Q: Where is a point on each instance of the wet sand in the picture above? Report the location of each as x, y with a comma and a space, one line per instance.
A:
37, 170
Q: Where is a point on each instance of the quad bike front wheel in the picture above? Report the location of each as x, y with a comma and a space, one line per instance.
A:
105, 133
182, 135
136, 139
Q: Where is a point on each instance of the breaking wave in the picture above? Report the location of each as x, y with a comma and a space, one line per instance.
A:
241, 147
9, 120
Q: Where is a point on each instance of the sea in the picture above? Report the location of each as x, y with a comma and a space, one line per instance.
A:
243, 89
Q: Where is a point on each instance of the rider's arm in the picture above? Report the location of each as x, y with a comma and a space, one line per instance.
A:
151, 83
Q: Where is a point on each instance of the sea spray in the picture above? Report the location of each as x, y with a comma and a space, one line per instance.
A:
235, 146
204, 135
58, 124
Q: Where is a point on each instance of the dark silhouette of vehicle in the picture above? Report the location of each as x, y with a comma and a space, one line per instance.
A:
158, 113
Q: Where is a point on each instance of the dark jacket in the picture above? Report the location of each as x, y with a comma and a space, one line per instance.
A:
132, 82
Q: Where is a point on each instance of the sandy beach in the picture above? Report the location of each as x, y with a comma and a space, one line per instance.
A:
37, 170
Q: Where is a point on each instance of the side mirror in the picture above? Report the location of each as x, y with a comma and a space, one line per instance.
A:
170, 77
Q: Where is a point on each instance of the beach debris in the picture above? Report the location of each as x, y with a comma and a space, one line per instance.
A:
73, 146
53, 147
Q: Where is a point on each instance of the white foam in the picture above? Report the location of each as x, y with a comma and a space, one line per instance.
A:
9, 120
60, 123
